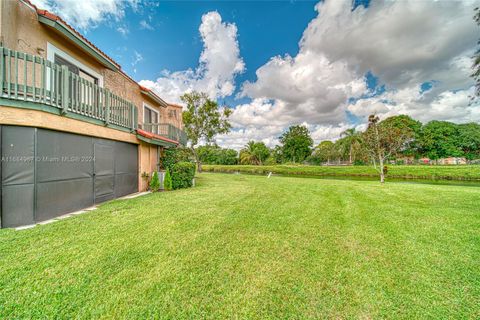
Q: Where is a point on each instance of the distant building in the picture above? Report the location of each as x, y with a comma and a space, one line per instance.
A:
452, 160
424, 161
404, 160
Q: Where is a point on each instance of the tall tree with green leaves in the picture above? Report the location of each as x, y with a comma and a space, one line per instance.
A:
227, 157
324, 152
384, 139
203, 120
261, 152
404, 122
476, 57
469, 140
213, 154
277, 154
440, 139
296, 143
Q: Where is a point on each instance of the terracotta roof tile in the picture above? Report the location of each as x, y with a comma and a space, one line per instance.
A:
150, 135
150, 91
175, 105
54, 17
145, 133
156, 136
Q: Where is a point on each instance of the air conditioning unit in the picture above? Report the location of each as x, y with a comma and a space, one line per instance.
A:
161, 177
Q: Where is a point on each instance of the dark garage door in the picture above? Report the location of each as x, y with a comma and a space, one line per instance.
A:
47, 173
104, 170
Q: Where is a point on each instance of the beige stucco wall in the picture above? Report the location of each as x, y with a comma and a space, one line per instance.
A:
8, 16
40, 119
178, 121
148, 160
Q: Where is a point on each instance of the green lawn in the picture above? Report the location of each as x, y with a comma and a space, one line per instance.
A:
239, 246
463, 172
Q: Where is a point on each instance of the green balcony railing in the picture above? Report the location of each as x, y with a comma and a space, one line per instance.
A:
33, 79
166, 130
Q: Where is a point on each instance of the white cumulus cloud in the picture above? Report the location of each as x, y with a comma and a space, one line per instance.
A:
403, 43
448, 105
85, 14
306, 87
219, 63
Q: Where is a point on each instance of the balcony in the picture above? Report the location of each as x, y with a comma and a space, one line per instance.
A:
29, 81
165, 130
39, 83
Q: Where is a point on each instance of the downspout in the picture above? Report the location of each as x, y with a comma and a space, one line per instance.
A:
2, 9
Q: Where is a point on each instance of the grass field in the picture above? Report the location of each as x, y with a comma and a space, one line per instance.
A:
460, 172
241, 246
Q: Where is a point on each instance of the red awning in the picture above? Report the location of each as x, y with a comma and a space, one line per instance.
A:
150, 135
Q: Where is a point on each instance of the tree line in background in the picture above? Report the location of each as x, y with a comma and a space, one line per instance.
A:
399, 138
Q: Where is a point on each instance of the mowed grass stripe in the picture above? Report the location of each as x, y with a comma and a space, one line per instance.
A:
250, 247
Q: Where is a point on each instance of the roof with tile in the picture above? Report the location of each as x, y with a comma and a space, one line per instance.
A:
175, 105
54, 17
150, 135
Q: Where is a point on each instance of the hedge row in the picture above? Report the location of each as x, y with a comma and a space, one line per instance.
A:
446, 172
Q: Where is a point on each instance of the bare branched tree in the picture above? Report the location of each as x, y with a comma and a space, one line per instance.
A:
384, 139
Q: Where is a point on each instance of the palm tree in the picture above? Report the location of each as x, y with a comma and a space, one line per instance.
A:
351, 138
247, 154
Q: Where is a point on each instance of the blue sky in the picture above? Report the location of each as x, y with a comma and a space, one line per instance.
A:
326, 65
265, 29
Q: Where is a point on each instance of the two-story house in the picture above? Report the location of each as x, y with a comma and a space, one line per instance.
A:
75, 130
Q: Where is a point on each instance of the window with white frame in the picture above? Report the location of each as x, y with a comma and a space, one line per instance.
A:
151, 118
60, 57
